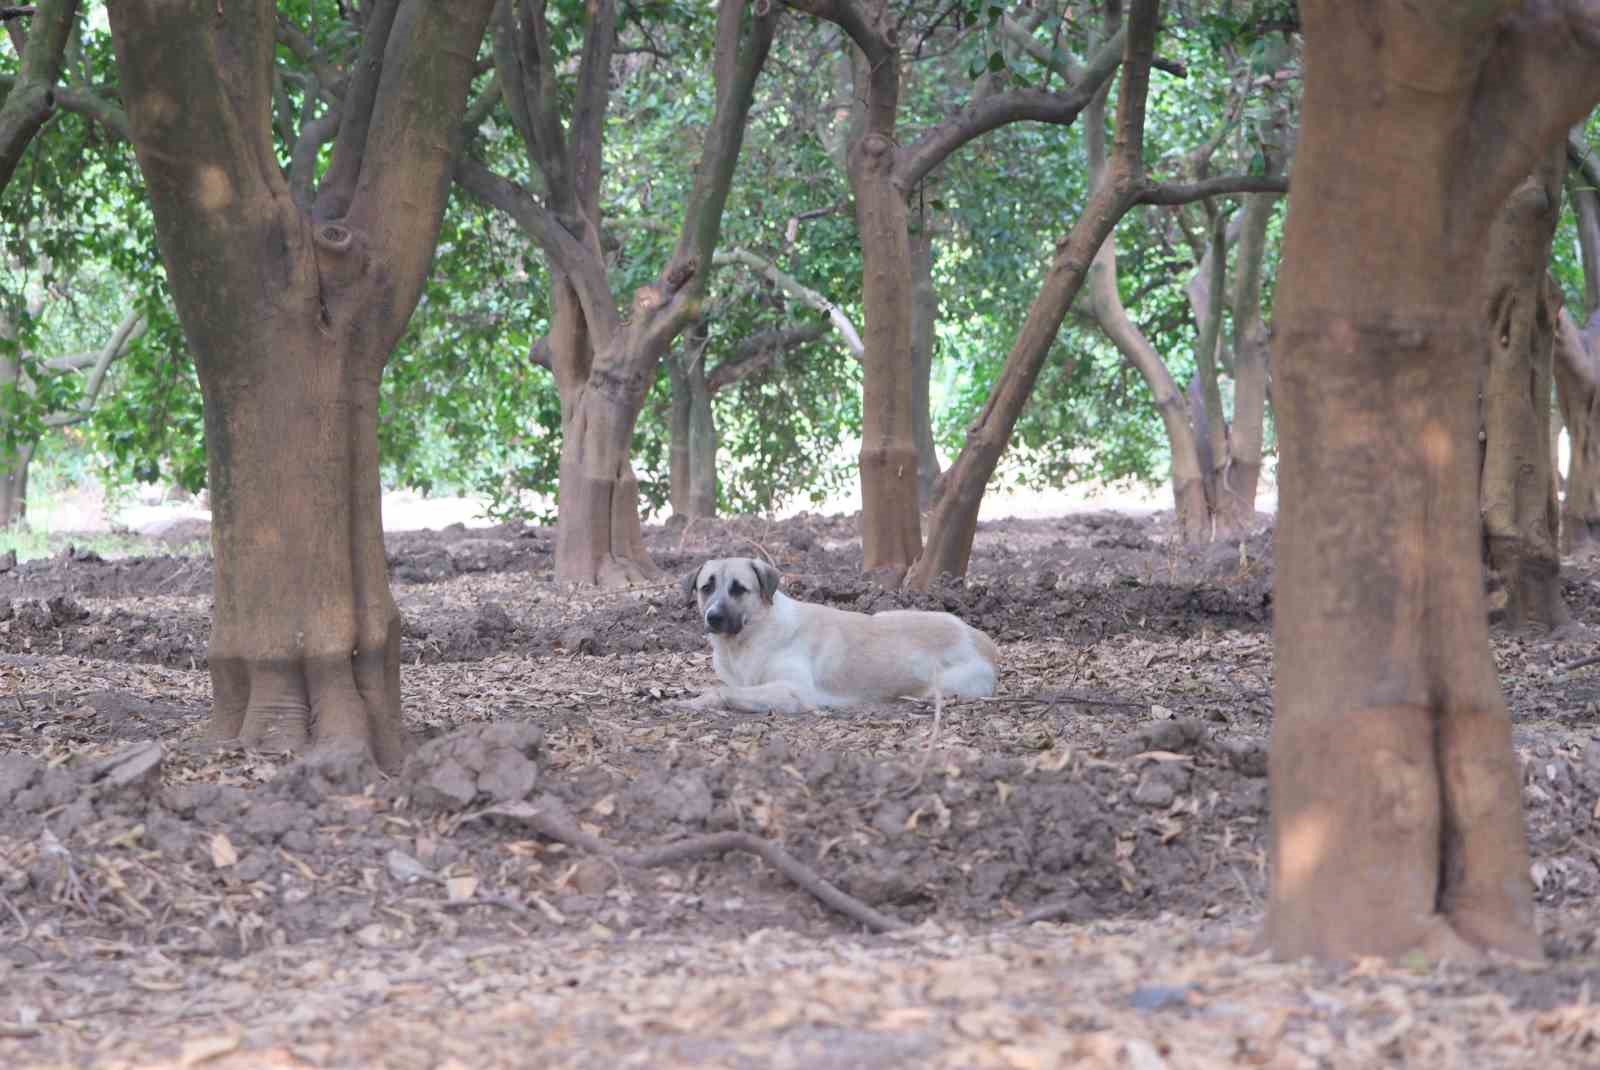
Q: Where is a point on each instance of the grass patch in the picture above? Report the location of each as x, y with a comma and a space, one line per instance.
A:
31, 544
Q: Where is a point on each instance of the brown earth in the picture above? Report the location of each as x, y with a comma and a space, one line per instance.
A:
164, 902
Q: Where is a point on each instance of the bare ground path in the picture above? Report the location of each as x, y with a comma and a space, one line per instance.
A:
163, 903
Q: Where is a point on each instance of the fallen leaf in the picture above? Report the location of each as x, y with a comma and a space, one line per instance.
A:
223, 854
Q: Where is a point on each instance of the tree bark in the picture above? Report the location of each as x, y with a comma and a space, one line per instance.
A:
924, 317
882, 173
692, 452
32, 96
14, 484
291, 316
1396, 820
604, 362
1238, 477
1521, 515
1577, 376
954, 521
1577, 368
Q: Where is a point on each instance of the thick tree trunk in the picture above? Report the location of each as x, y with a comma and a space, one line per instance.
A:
599, 537
924, 317
1396, 817
291, 315
1521, 523
305, 637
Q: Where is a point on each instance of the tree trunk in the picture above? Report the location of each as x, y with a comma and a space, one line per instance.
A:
954, 521
692, 454
1240, 476
1188, 481
1521, 523
305, 637
1577, 371
599, 537
291, 315
14, 485
924, 317
1577, 376
1396, 817
891, 522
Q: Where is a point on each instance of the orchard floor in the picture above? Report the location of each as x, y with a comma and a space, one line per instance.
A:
168, 903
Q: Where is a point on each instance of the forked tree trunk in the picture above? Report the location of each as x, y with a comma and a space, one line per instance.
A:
291, 311
1188, 480
954, 521
924, 317
1188, 484
604, 362
1521, 519
1396, 816
1577, 376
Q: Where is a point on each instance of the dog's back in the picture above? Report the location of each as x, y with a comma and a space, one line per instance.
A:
900, 652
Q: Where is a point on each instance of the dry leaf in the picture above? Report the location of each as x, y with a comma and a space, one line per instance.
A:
222, 853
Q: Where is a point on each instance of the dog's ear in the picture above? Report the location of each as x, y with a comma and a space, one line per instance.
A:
688, 583
766, 579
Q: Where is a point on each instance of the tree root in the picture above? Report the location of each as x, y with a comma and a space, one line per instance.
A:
547, 822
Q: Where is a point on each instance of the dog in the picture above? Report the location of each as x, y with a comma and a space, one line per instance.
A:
774, 654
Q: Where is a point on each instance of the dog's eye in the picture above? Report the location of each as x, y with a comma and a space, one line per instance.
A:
708, 586
736, 588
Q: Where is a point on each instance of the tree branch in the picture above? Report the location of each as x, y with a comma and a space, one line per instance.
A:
330, 79
128, 331
85, 103
1017, 105
758, 351
339, 184
31, 98
585, 272
792, 287
1186, 192
413, 139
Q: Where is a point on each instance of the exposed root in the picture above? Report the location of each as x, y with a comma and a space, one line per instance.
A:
547, 822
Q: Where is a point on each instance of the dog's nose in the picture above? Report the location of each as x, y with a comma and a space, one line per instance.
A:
715, 620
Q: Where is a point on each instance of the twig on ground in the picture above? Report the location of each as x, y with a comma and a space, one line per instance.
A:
505, 902
22, 923
552, 826
1046, 912
1581, 663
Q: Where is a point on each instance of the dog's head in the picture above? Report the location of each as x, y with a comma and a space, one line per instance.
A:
731, 591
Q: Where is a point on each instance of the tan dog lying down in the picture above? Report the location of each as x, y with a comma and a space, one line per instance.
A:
775, 654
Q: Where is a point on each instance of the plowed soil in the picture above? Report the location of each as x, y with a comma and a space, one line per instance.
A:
1071, 872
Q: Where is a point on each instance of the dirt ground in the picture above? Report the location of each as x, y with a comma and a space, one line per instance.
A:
1071, 872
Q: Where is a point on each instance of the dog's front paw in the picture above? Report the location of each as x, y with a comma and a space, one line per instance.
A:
706, 700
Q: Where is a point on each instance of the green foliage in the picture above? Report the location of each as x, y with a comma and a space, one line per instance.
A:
463, 409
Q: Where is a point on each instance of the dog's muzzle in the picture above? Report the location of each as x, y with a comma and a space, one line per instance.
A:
721, 622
